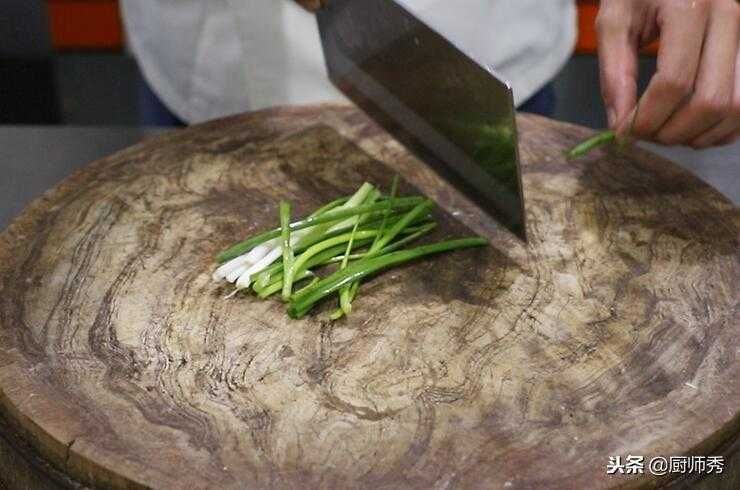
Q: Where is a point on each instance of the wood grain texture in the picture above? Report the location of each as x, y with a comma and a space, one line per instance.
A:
613, 331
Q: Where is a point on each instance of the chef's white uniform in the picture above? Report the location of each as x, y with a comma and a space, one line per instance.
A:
210, 58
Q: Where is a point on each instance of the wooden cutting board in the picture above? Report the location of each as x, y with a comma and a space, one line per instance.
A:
612, 332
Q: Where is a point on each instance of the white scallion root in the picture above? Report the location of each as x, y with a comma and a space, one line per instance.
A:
246, 278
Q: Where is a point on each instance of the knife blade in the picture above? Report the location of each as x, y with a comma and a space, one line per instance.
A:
453, 112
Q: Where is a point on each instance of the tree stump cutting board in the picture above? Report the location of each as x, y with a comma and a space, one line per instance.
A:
613, 331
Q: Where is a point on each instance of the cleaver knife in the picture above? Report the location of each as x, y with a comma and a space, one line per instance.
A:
453, 112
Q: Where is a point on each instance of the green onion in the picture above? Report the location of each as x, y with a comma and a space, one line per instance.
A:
276, 287
366, 223
352, 290
301, 303
422, 230
344, 299
320, 247
326, 257
301, 262
363, 233
328, 207
328, 217
366, 194
591, 144
347, 294
394, 189
263, 277
287, 249
419, 210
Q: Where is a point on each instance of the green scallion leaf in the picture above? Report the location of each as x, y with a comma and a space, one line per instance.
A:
287, 248
591, 144
301, 303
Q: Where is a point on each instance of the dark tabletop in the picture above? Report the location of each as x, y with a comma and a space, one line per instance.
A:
35, 158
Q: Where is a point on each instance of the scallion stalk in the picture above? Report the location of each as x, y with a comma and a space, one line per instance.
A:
419, 210
347, 293
301, 303
276, 287
422, 230
329, 206
324, 258
321, 246
591, 144
384, 223
344, 301
287, 248
364, 233
333, 215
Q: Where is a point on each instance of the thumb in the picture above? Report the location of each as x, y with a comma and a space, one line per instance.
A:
617, 65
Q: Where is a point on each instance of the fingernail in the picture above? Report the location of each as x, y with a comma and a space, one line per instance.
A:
612, 117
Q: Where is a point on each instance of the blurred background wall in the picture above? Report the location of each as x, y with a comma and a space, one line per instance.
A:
28, 93
65, 62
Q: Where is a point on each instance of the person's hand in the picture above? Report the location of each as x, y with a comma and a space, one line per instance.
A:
694, 97
312, 5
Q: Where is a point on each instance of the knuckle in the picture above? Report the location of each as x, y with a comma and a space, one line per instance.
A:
722, 4
678, 85
666, 137
604, 21
714, 106
662, 140
665, 140
642, 129
728, 9
733, 107
608, 18
702, 5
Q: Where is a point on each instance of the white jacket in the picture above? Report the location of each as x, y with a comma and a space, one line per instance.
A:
210, 58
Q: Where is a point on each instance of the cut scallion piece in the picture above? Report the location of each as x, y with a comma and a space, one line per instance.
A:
591, 144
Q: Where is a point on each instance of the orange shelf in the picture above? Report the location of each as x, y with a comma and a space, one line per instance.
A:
96, 24
85, 24
587, 39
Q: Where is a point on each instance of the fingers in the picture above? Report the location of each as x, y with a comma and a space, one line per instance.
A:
723, 133
728, 130
618, 46
711, 101
730, 139
683, 24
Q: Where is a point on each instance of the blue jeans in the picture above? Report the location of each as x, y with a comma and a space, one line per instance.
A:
152, 111
542, 102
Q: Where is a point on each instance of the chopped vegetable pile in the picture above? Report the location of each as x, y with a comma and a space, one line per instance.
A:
359, 235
